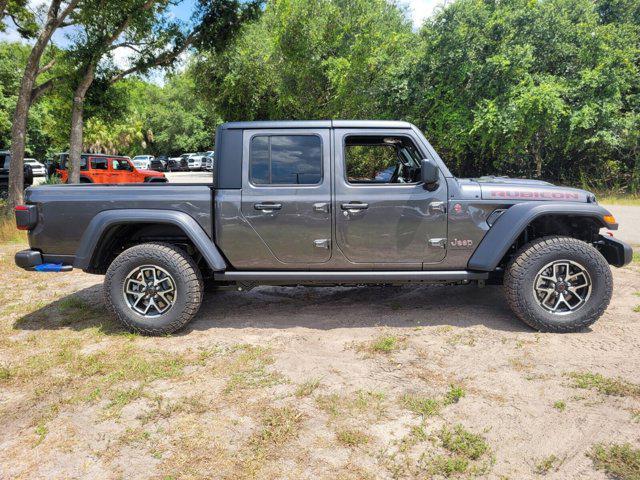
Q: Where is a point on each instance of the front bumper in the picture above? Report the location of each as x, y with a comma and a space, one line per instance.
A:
615, 251
32, 260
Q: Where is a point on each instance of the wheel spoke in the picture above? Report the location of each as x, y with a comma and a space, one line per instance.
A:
546, 297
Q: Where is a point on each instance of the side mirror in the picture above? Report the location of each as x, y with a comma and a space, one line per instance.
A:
429, 174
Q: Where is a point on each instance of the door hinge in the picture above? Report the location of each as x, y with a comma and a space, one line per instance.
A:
438, 242
322, 243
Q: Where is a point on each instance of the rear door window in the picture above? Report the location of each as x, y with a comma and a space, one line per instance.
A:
99, 163
285, 160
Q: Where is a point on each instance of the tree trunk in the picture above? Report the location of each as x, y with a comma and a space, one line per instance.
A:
21, 114
3, 8
77, 123
537, 154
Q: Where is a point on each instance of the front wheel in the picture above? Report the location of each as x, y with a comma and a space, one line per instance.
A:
558, 284
154, 288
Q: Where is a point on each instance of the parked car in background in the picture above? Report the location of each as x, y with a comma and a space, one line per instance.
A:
209, 162
5, 161
177, 164
143, 161
164, 161
158, 165
38, 168
99, 168
195, 161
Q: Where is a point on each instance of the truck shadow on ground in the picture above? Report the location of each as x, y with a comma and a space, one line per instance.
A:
321, 308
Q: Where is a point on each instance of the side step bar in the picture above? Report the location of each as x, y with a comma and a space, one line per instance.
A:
353, 276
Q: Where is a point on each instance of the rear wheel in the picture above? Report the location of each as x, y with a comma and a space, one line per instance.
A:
558, 284
154, 288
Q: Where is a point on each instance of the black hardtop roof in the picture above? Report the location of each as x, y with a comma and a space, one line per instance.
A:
292, 124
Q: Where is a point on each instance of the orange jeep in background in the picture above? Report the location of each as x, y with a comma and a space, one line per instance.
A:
100, 168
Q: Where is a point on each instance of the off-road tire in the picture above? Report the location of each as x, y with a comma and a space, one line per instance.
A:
531, 258
182, 268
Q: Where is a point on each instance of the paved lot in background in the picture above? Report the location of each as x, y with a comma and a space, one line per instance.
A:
189, 177
628, 218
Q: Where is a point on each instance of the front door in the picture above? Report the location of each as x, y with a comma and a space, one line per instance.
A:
286, 193
383, 214
99, 169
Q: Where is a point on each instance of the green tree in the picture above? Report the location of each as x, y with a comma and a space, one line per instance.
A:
546, 88
309, 59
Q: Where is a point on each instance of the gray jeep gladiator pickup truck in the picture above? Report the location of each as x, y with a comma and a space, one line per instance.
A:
327, 203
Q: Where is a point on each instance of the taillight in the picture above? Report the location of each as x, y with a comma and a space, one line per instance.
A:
26, 217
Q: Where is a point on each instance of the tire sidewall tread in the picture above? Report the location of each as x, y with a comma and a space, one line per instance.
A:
524, 267
183, 269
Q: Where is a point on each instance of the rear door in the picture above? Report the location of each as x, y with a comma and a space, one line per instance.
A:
383, 214
286, 193
100, 170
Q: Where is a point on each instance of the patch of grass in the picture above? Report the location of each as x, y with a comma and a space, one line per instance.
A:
467, 338
423, 406
613, 199
454, 394
307, 388
635, 415
560, 405
5, 373
636, 255
636, 309
8, 231
74, 309
122, 398
41, 431
618, 461
351, 437
447, 466
547, 464
249, 369
462, 442
608, 386
361, 402
278, 426
384, 344
464, 455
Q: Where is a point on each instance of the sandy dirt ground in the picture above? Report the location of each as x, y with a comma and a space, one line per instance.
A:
299, 383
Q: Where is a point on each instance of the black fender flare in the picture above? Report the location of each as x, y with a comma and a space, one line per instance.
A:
109, 218
513, 221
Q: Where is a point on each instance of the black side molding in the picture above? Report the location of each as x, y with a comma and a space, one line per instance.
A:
328, 276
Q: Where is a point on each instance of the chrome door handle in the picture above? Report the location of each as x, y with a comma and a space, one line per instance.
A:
353, 207
268, 207
439, 207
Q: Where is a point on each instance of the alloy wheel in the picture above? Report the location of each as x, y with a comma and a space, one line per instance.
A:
149, 290
562, 287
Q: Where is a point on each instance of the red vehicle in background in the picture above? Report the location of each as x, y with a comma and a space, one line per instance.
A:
100, 168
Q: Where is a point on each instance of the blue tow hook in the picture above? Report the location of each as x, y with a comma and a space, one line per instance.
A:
52, 267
